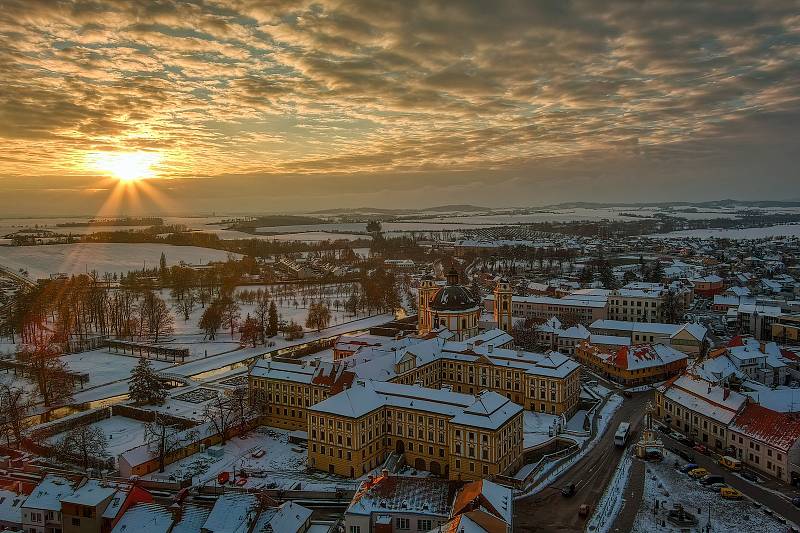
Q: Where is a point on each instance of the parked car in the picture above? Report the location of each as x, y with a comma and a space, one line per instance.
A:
583, 510
716, 487
731, 463
711, 479
729, 493
688, 467
749, 476
699, 448
698, 473
796, 501
568, 491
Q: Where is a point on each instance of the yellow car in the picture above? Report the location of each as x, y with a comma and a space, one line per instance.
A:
698, 473
730, 493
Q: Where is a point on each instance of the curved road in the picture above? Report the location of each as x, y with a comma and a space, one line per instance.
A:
549, 510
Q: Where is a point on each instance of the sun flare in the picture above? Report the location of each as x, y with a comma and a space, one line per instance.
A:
126, 166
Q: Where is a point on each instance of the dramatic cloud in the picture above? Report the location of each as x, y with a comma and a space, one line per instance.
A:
351, 101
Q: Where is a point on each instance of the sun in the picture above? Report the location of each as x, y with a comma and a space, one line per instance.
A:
126, 167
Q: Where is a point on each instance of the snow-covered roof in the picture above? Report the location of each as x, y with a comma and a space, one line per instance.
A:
488, 410
705, 398
47, 494
290, 517
782, 400
764, 310
90, 494
656, 328
547, 300
144, 518
11, 506
713, 278
641, 356
389, 493
609, 340
231, 513
192, 519
779, 430
577, 331
487, 496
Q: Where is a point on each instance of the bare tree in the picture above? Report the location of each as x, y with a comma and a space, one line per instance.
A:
221, 414
164, 438
84, 443
155, 318
319, 316
48, 371
15, 405
230, 312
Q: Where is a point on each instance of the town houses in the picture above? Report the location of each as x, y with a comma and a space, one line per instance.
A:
634, 365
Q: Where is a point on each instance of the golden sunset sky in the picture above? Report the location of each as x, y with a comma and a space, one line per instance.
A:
258, 106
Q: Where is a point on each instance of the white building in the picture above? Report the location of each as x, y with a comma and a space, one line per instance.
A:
41, 512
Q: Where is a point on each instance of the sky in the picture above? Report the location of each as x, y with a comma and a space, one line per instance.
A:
248, 106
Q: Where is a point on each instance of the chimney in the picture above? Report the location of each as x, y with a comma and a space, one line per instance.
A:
762, 347
177, 511
490, 348
385, 472
726, 392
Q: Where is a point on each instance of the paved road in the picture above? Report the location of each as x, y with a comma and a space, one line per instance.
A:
778, 502
548, 510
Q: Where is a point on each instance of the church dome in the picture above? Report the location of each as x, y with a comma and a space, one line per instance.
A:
453, 298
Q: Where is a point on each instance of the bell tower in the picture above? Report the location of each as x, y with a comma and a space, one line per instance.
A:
503, 294
427, 290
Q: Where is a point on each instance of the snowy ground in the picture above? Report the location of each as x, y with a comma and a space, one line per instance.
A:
781, 230
539, 427
122, 434
283, 464
669, 486
576, 423
41, 261
104, 367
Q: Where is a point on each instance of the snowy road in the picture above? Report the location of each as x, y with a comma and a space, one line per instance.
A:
549, 510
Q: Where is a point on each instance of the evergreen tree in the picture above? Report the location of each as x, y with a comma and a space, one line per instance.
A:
145, 387
272, 323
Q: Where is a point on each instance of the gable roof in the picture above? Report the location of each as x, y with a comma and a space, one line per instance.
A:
779, 430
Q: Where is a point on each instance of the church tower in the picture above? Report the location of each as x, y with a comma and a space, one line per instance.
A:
427, 290
502, 305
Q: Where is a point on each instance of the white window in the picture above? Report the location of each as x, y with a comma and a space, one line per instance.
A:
424, 525
355, 529
403, 523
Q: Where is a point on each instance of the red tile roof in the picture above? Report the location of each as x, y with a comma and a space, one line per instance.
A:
779, 430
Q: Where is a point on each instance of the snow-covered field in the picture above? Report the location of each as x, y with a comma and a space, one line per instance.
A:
669, 486
122, 434
41, 261
104, 367
316, 236
781, 230
282, 463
